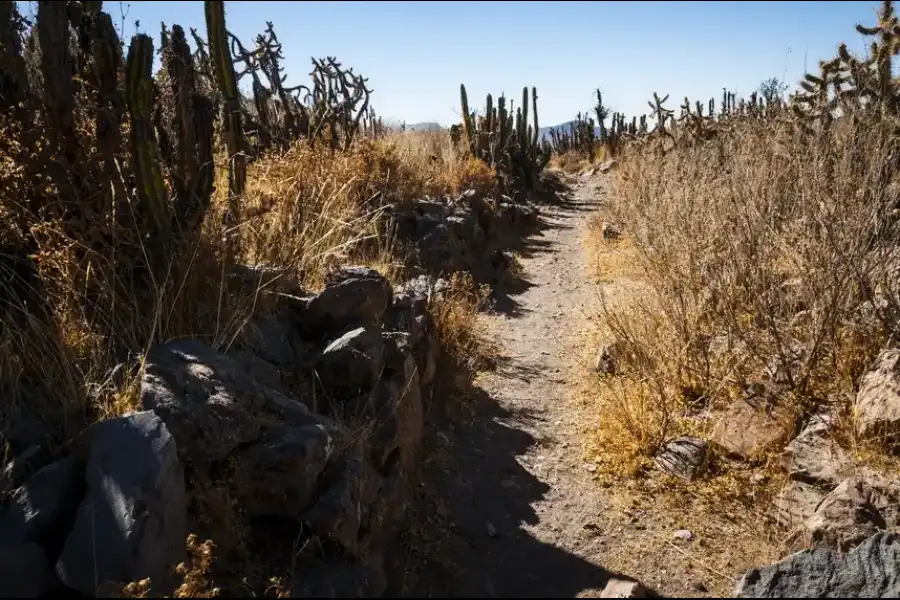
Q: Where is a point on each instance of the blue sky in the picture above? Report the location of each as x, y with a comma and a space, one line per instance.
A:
416, 54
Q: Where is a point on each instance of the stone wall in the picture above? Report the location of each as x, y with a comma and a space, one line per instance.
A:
329, 465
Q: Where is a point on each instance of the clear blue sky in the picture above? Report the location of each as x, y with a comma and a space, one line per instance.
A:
417, 53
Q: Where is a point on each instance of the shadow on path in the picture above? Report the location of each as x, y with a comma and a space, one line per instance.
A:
563, 205
476, 493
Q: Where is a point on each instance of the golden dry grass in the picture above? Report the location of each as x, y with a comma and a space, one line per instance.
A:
305, 211
746, 250
573, 162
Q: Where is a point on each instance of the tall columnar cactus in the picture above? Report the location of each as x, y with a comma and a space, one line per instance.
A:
468, 125
227, 83
148, 173
191, 165
523, 129
508, 143
106, 59
56, 70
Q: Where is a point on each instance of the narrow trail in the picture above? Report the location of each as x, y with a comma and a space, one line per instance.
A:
520, 514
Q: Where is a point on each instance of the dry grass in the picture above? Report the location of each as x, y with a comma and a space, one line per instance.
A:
763, 251
573, 162
305, 211
756, 252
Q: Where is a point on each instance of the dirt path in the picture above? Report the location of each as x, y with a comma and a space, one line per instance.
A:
515, 506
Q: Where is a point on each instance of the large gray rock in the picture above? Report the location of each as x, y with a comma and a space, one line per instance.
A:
23, 466
132, 523
352, 296
259, 369
395, 414
872, 570
266, 278
342, 512
278, 474
815, 456
269, 337
878, 398
354, 360
859, 507
25, 572
209, 402
42, 510
409, 314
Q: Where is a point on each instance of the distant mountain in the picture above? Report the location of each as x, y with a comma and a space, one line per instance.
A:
545, 131
425, 126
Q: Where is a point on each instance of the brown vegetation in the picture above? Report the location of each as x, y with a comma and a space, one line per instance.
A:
758, 255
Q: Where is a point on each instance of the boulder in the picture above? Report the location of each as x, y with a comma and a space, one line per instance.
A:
259, 369
23, 466
43, 509
208, 401
25, 572
263, 277
132, 522
753, 424
278, 474
623, 588
269, 337
815, 456
341, 513
878, 398
354, 360
395, 414
796, 502
352, 296
859, 507
872, 570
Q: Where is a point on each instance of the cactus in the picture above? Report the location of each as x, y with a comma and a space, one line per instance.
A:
227, 83
57, 71
506, 141
148, 174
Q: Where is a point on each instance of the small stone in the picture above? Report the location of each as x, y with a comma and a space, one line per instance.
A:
685, 458
491, 530
684, 534
621, 588
611, 232
590, 467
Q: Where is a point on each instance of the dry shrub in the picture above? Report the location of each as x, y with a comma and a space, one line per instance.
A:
763, 253
444, 169
466, 349
305, 210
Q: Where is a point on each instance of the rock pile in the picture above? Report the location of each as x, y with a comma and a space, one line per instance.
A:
115, 505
